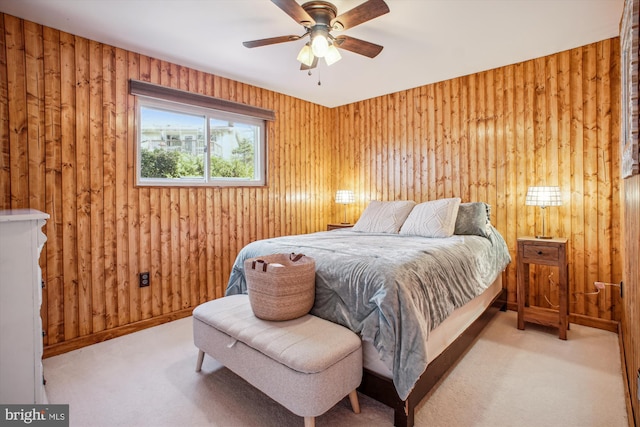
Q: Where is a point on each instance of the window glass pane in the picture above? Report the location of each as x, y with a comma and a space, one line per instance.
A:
234, 148
172, 144
181, 144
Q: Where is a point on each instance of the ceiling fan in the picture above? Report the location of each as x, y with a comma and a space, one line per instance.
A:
320, 18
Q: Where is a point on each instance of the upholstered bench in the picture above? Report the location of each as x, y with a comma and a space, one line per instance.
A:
306, 364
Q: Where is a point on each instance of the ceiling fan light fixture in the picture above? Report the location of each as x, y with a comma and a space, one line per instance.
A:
320, 43
319, 18
306, 55
333, 55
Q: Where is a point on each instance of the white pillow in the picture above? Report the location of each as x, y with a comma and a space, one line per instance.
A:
384, 217
432, 219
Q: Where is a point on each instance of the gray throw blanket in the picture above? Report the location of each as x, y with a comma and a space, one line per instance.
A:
391, 289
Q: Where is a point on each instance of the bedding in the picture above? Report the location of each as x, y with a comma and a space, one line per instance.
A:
392, 289
384, 217
473, 219
446, 333
436, 218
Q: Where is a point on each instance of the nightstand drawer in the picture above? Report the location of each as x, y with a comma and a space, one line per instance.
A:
540, 253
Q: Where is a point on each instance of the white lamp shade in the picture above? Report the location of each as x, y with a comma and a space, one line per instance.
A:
306, 55
332, 56
344, 197
319, 44
543, 196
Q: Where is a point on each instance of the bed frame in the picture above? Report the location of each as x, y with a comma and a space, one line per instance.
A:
383, 390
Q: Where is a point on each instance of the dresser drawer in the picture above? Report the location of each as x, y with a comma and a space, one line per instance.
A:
540, 253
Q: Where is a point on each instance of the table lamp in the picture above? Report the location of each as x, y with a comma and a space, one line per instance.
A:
345, 197
543, 197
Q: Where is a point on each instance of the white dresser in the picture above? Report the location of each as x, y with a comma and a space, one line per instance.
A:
21, 240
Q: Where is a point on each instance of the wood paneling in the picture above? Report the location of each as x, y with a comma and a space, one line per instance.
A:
631, 312
490, 135
67, 147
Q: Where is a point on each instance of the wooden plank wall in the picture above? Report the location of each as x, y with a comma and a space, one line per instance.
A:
67, 139
66, 147
490, 135
631, 310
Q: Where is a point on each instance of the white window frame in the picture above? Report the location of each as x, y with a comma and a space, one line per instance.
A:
260, 149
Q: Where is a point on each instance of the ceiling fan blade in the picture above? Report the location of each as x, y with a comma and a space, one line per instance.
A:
271, 40
294, 10
314, 64
365, 12
358, 46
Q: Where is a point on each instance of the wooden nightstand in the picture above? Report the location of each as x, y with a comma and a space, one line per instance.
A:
337, 226
552, 252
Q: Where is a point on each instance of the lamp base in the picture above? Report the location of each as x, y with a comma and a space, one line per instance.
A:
544, 237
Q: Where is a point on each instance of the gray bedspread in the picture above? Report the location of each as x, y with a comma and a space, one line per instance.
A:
391, 289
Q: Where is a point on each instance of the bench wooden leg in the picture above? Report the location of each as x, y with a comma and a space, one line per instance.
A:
355, 404
309, 421
200, 360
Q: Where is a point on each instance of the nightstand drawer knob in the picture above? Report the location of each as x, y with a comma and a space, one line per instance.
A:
539, 252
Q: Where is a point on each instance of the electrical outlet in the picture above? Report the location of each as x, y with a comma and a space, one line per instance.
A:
144, 279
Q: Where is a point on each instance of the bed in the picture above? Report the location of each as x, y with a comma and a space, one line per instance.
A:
409, 290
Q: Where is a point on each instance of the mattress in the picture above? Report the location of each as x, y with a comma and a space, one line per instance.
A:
443, 335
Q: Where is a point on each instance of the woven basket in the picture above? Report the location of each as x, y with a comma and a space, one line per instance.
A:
281, 286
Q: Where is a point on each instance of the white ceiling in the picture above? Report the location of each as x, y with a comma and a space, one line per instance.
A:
424, 41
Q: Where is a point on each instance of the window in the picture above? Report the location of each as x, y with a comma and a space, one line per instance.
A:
184, 144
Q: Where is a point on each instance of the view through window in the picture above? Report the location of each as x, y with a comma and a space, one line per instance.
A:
189, 145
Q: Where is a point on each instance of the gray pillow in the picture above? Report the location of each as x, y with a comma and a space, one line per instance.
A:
473, 219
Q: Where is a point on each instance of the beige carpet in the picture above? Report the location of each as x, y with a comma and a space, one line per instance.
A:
508, 378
